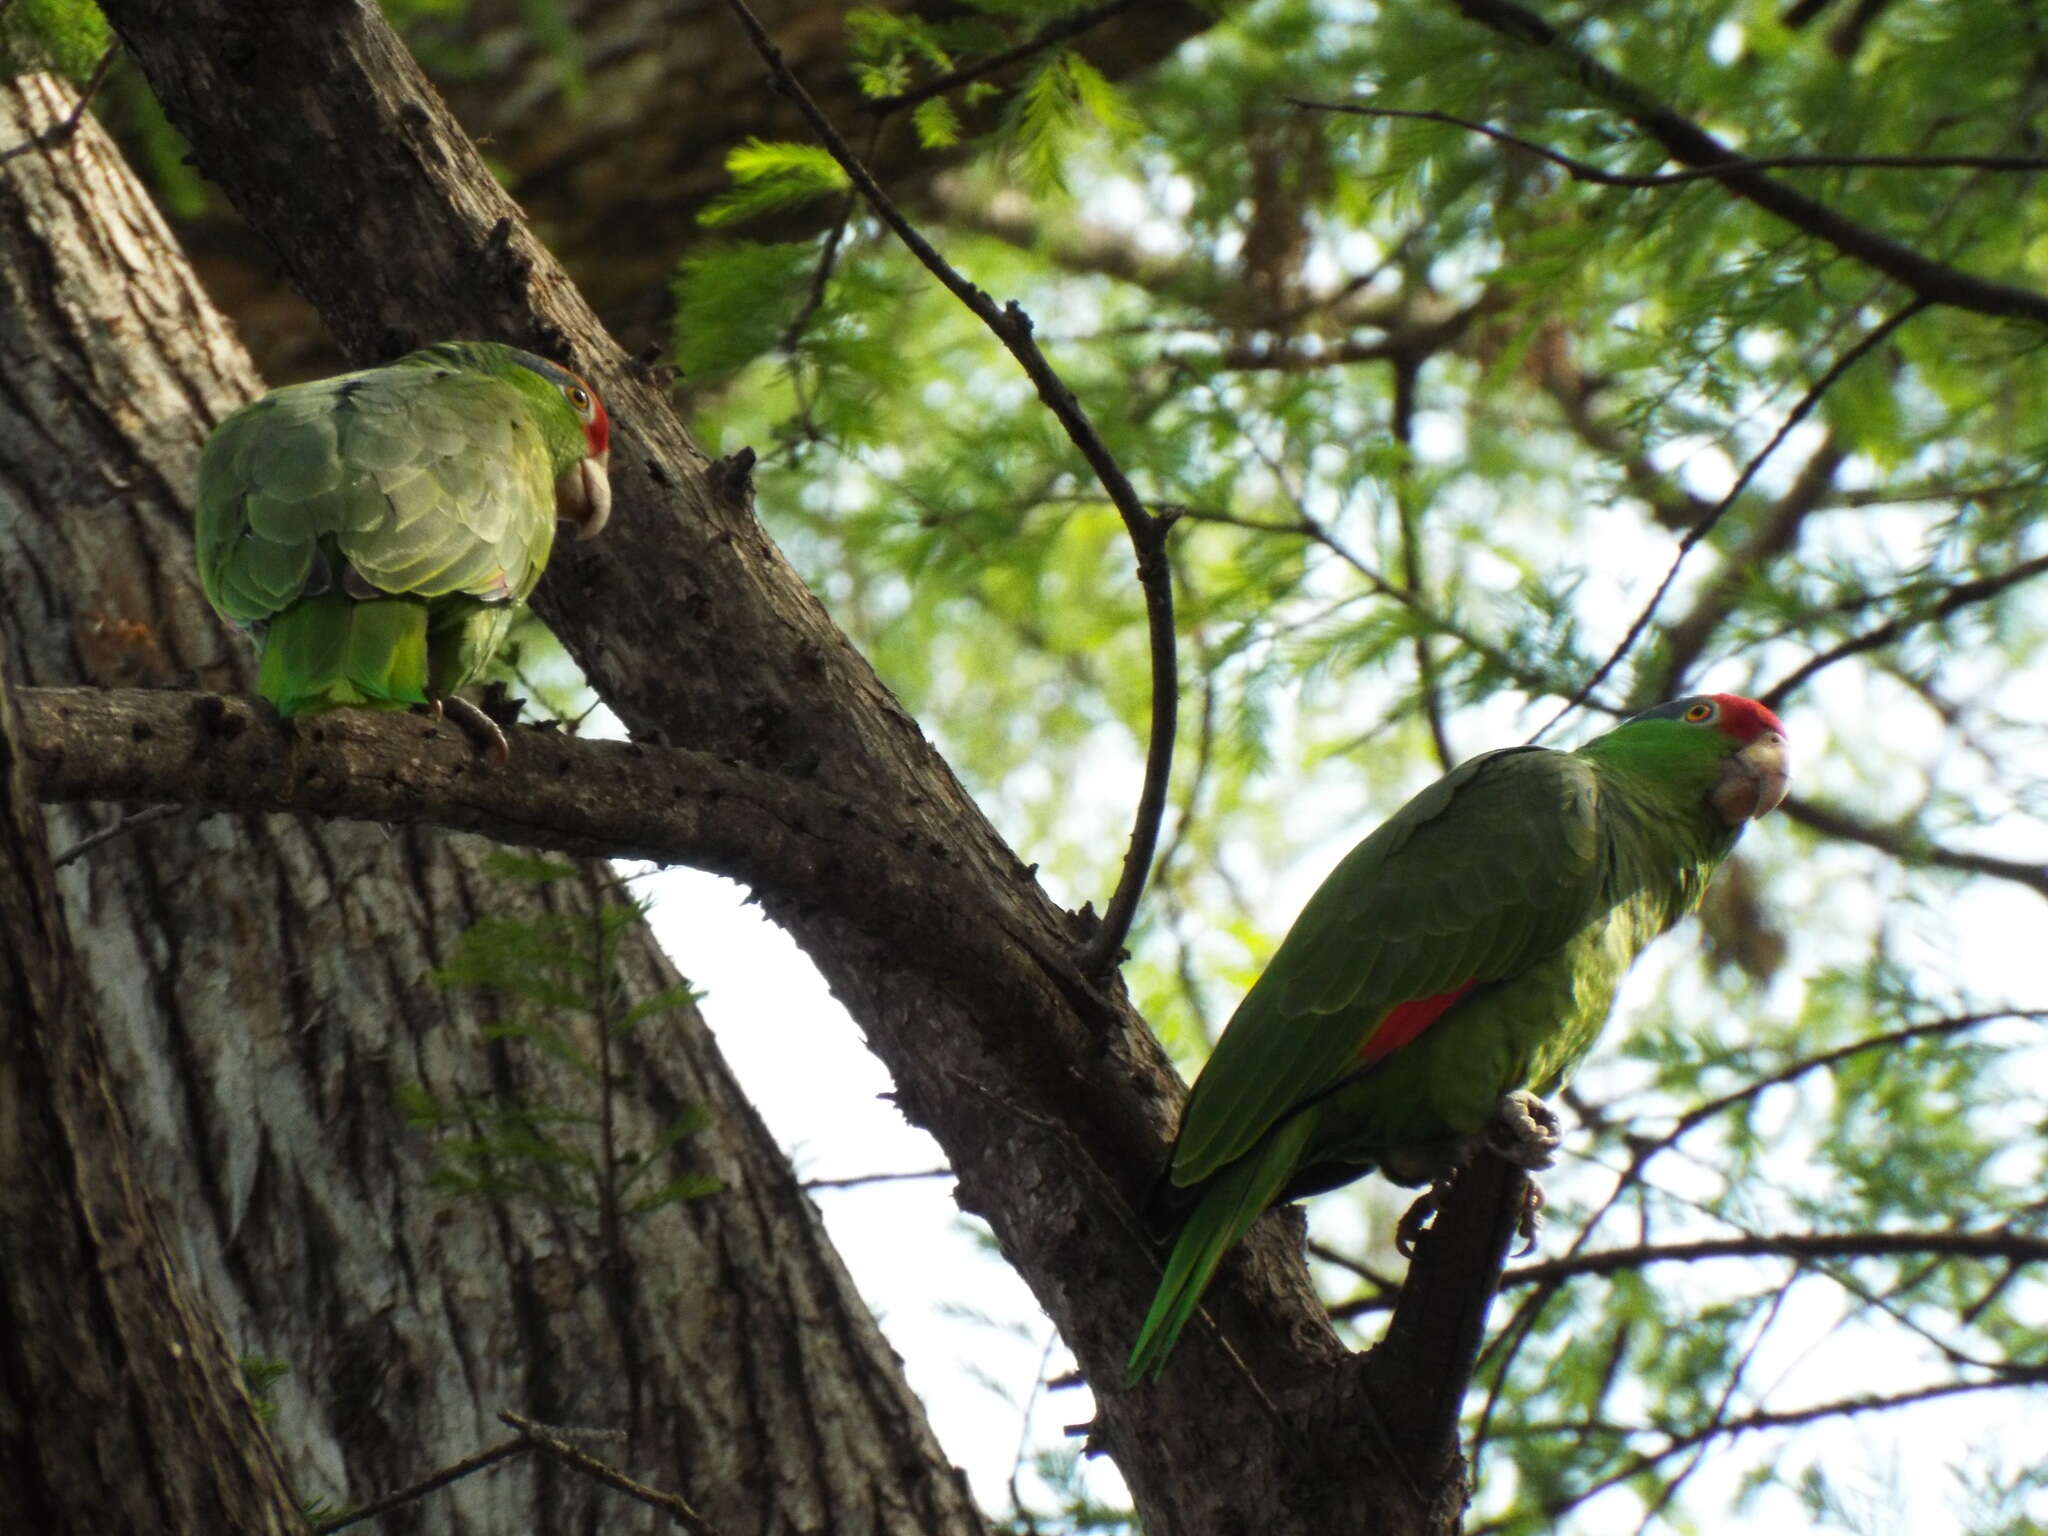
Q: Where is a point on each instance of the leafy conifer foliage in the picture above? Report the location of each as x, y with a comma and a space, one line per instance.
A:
1444, 407
563, 996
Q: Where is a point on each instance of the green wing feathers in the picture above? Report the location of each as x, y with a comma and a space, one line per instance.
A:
1488, 868
424, 481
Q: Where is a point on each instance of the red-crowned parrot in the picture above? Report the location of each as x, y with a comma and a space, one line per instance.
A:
1464, 954
378, 531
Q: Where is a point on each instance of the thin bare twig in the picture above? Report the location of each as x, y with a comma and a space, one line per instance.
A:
1585, 170
441, 1479
1873, 339
1148, 530
120, 827
1797, 1245
545, 1439
859, 1180
57, 133
1848, 1407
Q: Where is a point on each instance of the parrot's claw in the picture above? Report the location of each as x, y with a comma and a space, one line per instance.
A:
1525, 1131
477, 726
1530, 1224
1416, 1219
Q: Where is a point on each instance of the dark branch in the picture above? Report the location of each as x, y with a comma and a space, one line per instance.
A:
1776, 532
1012, 327
1958, 597
502, 1451
1432, 1340
2014, 1246
1847, 1407
1908, 847
673, 1505
606, 798
1699, 1114
1585, 170
1930, 282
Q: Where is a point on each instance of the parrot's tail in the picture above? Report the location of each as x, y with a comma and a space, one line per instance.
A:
329, 651
1231, 1202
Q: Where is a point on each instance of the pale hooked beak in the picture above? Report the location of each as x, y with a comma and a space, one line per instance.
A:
1753, 781
583, 495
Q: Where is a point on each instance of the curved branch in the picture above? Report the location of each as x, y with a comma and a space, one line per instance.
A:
1013, 328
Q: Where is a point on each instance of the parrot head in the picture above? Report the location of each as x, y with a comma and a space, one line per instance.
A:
583, 491
1755, 767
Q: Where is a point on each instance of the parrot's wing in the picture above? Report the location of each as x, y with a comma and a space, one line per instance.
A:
428, 481
1482, 874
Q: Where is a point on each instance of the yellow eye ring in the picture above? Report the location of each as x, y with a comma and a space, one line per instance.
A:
578, 396
1700, 712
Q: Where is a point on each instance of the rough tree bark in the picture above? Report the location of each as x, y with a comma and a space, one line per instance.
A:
121, 1409
1050, 1097
262, 981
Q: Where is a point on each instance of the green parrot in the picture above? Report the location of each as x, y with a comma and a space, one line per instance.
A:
1464, 954
378, 532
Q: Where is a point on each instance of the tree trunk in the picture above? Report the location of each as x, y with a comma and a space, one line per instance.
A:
121, 1409
263, 984
1048, 1094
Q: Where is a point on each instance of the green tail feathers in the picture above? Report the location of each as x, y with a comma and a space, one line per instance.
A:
1229, 1204
329, 651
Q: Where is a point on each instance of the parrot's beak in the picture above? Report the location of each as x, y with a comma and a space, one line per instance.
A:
583, 495
1754, 780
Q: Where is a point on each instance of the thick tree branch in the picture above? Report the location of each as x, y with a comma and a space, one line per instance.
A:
605, 798
1929, 281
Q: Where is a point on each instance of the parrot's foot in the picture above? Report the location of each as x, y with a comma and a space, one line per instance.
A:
1530, 1224
479, 727
1525, 1131
1416, 1219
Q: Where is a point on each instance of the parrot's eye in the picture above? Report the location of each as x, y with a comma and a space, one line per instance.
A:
578, 397
1700, 712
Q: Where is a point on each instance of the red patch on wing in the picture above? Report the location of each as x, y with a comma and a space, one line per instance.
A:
1404, 1021
1745, 719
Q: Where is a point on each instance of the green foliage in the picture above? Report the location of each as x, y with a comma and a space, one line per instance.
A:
1229, 283
67, 36
562, 997
259, 1374
733, 302
771, 178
